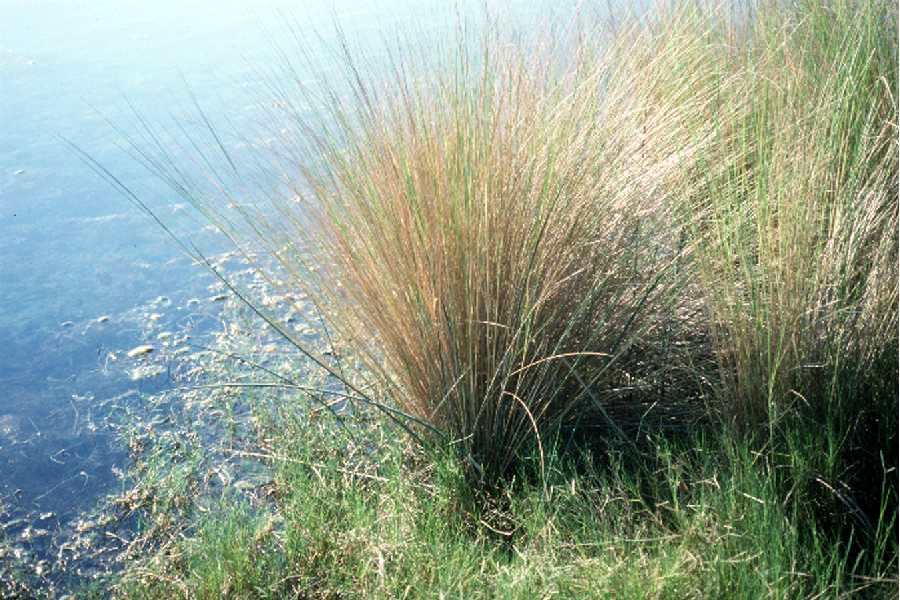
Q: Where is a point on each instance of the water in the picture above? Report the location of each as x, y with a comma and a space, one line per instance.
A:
84, 275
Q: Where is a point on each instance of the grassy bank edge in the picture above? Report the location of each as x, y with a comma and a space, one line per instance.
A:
706, 515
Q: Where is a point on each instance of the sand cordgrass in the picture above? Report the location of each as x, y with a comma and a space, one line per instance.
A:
494, 233
798, 240
514, 236
690, 218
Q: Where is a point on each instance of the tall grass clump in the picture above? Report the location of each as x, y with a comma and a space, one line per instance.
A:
799, 238
518, 244
493, 231
795, 224
796, 233
517, 236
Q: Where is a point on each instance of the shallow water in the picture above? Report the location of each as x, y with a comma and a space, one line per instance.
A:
84, 275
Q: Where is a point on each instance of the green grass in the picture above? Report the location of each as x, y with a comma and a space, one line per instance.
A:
696, 517
614, 315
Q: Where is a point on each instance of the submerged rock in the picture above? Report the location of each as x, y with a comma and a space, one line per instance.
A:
10, 427
146, 372
140, 350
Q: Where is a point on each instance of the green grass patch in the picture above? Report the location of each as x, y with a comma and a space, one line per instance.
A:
701, 516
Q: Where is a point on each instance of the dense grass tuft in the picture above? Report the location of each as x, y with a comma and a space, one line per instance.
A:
689, 214
674, 240
501, 229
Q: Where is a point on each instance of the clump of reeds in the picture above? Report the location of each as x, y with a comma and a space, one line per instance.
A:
498, 232
515, 236
797, 234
